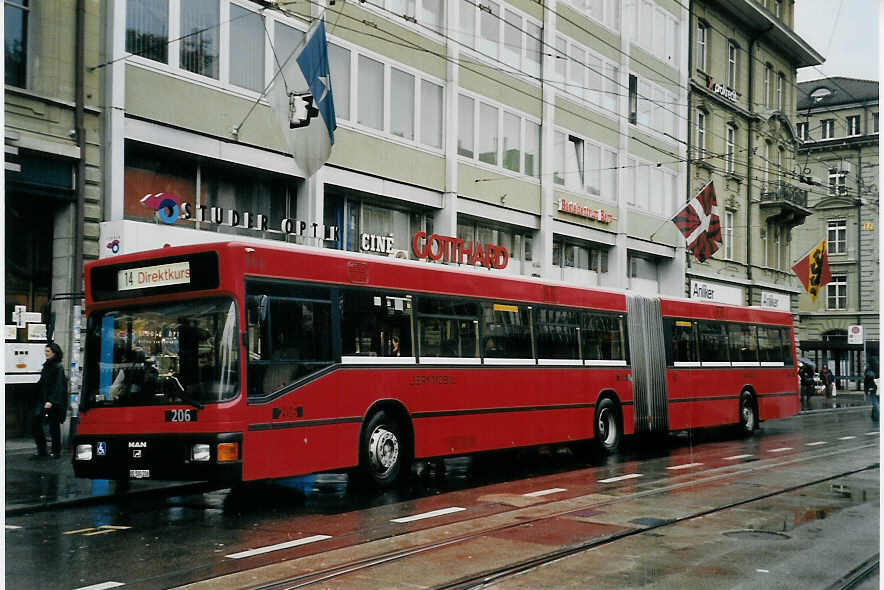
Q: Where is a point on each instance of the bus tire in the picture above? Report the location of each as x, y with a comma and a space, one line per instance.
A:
608, 428
748, 414
385, 456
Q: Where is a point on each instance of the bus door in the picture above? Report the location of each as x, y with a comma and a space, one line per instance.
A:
648, 358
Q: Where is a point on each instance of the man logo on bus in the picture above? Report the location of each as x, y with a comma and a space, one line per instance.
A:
165, 204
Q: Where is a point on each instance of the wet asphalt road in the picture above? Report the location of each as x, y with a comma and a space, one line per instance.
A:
166, 541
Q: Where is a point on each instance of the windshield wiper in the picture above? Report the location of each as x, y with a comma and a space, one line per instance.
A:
196, 404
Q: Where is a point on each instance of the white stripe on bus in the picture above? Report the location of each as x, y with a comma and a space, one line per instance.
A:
431, 514
278, 546
101, 586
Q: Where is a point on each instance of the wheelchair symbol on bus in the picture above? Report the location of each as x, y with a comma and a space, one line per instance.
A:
101, 449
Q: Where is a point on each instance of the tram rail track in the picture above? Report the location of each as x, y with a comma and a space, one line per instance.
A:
497, 574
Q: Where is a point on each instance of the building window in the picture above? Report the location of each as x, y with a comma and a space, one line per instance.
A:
431, 114
778, 8
874, 122
200, 26
488, 133
465, 126
246, 56
837, 182
837, 236
768, 75
802, 131
853, 126
729, 235
701, 45
147, 29
532, 149
730, 145
371, 93
827, 129
573, 255
732, 65
511, 37
836, 292
701, 134
512, 142
781, 83
402, 95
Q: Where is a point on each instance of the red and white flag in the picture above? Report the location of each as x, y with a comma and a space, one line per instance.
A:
699, 223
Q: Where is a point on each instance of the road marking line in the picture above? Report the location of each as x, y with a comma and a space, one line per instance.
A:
12, 526
819, 442
431, 514
621, 478
101, 532
846, 437
101, 586
278, 546
737, 457
79, 531
872, 433
115, 527
685, 466
781, 449
760, 571
539, 493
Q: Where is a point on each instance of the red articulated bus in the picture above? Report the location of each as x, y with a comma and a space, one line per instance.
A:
238, 362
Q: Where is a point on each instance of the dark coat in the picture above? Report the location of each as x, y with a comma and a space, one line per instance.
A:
52, 387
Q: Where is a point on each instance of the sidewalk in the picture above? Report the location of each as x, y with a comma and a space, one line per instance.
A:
33, 485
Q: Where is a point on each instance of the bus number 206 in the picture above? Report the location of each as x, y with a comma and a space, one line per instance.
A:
180, 415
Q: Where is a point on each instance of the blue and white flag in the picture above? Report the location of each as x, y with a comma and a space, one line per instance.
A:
301, 97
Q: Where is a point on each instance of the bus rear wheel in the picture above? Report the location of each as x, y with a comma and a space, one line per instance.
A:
608, 431
385, 455
748, 414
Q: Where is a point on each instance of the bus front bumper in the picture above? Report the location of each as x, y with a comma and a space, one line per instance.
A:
179, 457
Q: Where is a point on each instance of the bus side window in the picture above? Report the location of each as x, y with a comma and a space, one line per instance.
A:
557, 334
713, 342
447, 327
376, 324
769, 346
684, 342
786, 346
506, 331
744, 343
603, 337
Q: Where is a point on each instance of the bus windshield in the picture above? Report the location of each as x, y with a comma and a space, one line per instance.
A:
167, 353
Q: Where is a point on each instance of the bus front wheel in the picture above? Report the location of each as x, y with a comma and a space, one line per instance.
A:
607, 426
385, 456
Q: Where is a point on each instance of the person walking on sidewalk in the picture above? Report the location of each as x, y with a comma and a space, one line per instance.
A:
828, 380
51, 406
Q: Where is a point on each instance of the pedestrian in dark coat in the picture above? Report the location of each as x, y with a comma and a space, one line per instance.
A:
51, 404
828, 380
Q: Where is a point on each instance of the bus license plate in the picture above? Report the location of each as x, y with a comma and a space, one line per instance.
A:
139, 473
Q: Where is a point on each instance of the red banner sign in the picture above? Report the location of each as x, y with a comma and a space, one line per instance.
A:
583, 211
448, 249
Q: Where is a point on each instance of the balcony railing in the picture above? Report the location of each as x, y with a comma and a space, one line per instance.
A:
779, 192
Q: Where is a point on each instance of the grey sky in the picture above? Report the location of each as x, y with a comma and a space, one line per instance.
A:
853, 51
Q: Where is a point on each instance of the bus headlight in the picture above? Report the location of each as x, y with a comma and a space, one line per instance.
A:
84, 453
200, 452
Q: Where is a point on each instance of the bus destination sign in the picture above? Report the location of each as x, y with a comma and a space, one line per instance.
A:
161, 275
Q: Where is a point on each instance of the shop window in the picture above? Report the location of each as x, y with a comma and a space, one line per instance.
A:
151, 171
147, 29
241, 189
375, 324
506, 331
557, 334
200, 27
